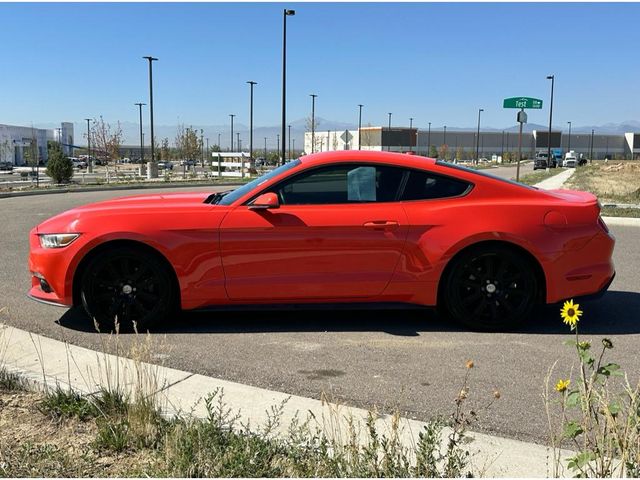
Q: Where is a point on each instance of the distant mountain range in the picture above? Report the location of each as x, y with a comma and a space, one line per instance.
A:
131, 131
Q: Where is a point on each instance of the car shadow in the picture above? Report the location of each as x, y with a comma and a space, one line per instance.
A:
616, 313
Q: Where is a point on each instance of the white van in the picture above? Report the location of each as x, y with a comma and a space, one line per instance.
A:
570, 160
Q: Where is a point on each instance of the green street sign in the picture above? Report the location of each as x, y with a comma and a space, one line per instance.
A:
522, 102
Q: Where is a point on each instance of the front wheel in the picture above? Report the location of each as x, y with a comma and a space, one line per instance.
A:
127, 289
489, 288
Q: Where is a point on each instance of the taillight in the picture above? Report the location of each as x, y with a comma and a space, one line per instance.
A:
602, 224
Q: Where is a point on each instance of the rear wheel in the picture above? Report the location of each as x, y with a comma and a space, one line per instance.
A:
490, 288
127, 289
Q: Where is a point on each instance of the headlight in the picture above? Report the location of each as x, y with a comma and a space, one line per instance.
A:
57, 240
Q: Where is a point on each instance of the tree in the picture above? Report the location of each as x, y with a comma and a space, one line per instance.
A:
31, 153
433, 151
105, 140
443, 152
460, 153
165, 151
188, 144
59, 167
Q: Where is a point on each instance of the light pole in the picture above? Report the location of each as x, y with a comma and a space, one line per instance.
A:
411, 134
201, 148
429, 140
569, 142
359, 124
286, 13
289, 142
552, 78
207, 153
151, 60
444, 140
388, 136
251, 161
480, 110
89, 162
140, 105
231, 115
313, 122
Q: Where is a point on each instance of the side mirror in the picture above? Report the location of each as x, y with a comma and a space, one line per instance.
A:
265, 201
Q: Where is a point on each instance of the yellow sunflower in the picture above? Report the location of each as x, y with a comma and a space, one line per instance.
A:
570, 313
562, 385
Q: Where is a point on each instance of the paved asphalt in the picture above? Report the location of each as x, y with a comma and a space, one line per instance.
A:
407, 359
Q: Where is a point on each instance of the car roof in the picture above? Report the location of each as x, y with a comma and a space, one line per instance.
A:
401, 159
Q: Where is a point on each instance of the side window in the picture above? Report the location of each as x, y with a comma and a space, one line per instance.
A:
342, 184
425, 186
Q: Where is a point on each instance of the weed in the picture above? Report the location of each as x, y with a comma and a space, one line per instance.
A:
61, 403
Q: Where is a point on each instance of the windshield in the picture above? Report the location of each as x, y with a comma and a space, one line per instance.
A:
232, 196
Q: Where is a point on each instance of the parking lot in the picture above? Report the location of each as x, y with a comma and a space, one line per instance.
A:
411, 359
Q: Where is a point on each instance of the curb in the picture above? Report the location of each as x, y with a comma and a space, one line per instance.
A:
622, 221
116, 188
87, 370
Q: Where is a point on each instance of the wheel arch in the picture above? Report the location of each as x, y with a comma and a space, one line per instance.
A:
514, 247
111, 244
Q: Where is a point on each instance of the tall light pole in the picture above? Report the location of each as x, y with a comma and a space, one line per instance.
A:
444, 140
569, 144
480, 110
231, 115
286, 13
251, 161
411, 134
289, 142
151, 60
552, 78
388, 136
140, 105
89, 162
429, 140
313, 122
359, 124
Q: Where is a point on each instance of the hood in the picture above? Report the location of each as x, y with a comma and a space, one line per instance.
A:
169, 204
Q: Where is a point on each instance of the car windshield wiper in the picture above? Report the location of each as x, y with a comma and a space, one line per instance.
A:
215, 198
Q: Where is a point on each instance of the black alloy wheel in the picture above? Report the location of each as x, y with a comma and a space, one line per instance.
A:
127, 289
490, 288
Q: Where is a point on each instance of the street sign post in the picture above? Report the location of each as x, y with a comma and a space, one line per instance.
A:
521, 103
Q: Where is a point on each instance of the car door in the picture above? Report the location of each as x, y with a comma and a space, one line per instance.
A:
338, 233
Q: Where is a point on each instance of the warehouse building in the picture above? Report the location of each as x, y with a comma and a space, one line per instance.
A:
16, 142
462, 144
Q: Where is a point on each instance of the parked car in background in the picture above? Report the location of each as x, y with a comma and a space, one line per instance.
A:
570, 160
78, 163
165, 165
541, 160
188, 163
6, 167
335, 227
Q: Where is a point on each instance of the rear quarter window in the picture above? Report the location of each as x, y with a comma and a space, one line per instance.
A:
428, 186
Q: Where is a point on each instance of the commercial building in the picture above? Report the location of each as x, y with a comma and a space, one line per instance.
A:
463, 143
17, 141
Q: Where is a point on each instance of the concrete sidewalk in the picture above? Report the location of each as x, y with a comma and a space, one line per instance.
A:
44, 361
557, 181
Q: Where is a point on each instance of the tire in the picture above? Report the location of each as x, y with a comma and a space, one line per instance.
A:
127, 289
489, 288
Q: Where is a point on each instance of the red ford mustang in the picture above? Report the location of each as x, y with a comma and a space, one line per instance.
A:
341, 227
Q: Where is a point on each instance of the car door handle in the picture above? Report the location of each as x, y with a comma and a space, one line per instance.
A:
381, 225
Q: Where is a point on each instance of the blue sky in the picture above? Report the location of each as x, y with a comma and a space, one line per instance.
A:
437, 63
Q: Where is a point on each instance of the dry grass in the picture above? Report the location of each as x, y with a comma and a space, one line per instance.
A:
616, 182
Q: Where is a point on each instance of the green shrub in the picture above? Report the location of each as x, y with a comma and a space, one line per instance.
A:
59, 167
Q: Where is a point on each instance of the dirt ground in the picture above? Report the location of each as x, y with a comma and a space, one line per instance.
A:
35, 445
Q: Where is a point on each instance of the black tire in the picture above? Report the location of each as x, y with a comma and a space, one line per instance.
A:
127, 289
489, 288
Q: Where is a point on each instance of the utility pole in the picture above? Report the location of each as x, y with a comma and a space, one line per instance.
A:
389, 135
231, 115
359, 125
313, 122
251, 160
286, 13
153, 158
